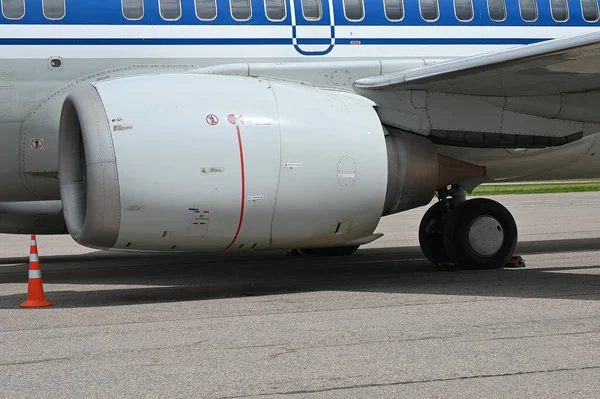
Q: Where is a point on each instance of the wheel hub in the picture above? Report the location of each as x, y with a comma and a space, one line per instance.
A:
485, 235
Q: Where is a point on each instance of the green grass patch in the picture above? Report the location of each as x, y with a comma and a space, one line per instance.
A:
537, 188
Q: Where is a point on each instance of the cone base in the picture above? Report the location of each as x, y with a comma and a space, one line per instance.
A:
35, 303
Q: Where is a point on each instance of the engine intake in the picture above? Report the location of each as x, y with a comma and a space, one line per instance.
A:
89, 180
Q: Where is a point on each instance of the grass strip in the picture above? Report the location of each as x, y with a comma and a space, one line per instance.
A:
537, 188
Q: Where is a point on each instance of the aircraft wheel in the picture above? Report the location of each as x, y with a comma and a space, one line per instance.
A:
480, 234
308, 251
431, 234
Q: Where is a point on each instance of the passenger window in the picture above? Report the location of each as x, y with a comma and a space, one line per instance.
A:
312, 10
560, 10
170, 9
13, 9
529, 11
206, 10
394, 9
354, 9
590, 10
275, 9
463, 10
430, 10
133, 9
497, 10
54, 9
241, 9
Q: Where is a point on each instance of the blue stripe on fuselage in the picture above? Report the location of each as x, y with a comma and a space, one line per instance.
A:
274, 41
108, 12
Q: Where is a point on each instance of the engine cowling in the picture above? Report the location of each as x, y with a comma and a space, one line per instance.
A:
206, 162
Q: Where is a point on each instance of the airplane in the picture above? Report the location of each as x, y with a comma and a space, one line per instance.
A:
247, 125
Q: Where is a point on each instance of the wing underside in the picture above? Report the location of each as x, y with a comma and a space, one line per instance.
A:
535, 96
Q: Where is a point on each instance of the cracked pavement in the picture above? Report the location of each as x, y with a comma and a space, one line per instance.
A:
380, 324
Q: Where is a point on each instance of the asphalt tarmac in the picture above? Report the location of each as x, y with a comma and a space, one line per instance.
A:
383, 323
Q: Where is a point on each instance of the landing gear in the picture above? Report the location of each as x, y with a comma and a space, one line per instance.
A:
480, 234
475, 234
431, 233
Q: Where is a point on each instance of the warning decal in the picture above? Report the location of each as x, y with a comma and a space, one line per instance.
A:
200, 221
37, 144
212, 119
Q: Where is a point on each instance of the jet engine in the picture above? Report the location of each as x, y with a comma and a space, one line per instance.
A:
211, 163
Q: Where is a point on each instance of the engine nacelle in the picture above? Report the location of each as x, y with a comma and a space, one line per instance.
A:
32, 217
208, 162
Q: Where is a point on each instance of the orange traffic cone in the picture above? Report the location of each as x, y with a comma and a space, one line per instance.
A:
35, 291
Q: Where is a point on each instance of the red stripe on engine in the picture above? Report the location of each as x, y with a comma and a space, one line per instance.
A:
237, 233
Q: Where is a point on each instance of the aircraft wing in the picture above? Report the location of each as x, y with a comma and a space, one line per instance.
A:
565, 65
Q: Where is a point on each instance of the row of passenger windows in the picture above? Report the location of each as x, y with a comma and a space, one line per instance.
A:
312, 10
430, 10
15, 9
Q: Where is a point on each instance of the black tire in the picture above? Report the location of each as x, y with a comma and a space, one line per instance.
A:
431, 234
337, 251
308, 251
456, 234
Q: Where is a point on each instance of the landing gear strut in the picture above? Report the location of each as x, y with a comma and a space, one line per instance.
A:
474, 234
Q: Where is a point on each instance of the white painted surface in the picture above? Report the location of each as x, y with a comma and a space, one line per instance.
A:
164, 183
